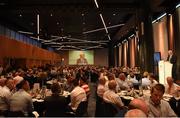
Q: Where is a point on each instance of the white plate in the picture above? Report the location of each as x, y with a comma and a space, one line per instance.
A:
37, 100
167, 95
128, 97
41, 100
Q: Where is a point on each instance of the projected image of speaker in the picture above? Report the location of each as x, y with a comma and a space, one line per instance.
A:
81, 57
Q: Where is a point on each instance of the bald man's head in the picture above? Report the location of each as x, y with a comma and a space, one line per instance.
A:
136, 113
139, 104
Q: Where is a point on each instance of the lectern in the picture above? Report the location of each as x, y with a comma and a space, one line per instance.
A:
165, 70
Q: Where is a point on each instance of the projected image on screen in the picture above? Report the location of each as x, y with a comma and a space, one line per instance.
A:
81, 57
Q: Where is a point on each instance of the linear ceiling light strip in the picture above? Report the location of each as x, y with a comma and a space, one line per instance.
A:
113, 26
102, 20
96, 4
38, 26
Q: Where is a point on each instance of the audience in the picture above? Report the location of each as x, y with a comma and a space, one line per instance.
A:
107, 88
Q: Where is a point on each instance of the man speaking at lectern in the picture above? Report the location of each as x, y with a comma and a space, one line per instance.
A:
172, 58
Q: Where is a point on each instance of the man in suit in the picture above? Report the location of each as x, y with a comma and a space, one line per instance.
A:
172, 58
82, 60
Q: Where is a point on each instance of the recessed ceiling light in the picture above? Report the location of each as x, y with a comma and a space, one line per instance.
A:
57, 23
51, 14
32, 24
84, 23
20, 15
82, 14
114, 14
2, 4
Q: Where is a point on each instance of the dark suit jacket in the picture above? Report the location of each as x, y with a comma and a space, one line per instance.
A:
173, 61
55, 106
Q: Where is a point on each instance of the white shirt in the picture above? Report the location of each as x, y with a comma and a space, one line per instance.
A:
78, 95
111, 97
21, 101
5, 95
161, 110
122, 84
145, 82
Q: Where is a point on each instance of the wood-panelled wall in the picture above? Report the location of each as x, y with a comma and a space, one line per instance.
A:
10, 48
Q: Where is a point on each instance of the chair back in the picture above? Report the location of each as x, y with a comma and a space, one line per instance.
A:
16, 114
99, 107
82, 109
110, 109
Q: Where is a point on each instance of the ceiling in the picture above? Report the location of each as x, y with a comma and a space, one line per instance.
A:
72, 24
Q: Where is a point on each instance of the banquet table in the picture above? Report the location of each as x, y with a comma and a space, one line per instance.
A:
126, 97
38, 101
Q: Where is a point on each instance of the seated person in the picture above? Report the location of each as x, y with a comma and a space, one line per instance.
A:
139, 104
136, 104
77, 95
121, 81
145, 80
135, 113
171, 88
84, 85
152, 80
101, 87
55, 105
132, 79
110, 95
69, 85
157, 106
5, 94
21, 101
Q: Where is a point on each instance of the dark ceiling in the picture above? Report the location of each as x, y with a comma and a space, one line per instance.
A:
72, 24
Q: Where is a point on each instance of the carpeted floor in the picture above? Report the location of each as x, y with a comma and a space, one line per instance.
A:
92, 100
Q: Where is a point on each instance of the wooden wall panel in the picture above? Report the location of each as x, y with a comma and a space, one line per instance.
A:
10, 48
